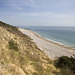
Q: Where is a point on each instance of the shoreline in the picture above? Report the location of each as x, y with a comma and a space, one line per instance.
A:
51, 48
49, 40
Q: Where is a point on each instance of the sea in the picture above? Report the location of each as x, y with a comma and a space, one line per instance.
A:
64, 35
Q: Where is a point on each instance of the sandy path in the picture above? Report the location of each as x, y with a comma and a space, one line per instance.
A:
52, 49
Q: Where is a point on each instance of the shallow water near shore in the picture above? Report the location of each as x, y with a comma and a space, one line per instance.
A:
62, 35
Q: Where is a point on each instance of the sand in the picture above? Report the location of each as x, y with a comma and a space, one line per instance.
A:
52, 49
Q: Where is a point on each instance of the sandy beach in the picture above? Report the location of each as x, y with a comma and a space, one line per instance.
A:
52, 49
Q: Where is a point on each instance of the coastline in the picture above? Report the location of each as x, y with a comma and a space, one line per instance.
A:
49, 40
52, 48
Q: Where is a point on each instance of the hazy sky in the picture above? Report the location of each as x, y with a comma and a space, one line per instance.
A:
38, 12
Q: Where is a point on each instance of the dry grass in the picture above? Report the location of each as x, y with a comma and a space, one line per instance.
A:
27, 60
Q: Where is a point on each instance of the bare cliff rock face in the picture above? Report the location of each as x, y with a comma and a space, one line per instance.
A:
20, 56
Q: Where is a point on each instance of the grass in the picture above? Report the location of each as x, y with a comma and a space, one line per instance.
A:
33, 56
23, 54
13, 45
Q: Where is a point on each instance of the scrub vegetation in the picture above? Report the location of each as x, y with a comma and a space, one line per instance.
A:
20, 56
66, 64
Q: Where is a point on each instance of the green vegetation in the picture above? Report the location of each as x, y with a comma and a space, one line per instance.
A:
13, 30
8, 27
66, 64
13, 45
23, 56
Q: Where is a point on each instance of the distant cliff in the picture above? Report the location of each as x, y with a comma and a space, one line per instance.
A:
20, 56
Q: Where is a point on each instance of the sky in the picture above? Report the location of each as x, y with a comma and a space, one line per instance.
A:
38, 12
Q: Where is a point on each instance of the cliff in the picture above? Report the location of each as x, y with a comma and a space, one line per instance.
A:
19, 55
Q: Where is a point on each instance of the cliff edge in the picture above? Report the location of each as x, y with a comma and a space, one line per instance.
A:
20, 56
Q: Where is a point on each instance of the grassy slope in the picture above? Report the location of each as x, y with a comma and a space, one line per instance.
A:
27, 60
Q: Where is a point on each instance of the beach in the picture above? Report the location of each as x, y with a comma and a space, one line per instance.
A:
49, 47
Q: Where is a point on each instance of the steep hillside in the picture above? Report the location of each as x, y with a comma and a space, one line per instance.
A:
20, 56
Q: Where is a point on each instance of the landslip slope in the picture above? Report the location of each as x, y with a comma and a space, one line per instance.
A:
20, 56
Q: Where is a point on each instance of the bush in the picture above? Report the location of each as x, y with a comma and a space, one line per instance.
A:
13, 45
66, 62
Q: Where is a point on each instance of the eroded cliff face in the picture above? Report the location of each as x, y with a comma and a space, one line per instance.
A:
20, 56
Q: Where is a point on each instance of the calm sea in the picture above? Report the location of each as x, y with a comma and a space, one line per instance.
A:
64, 35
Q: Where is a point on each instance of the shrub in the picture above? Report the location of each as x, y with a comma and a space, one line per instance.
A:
13, 45
66, 62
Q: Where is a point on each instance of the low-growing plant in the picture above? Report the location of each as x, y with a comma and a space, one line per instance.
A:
13, 45
66, 62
